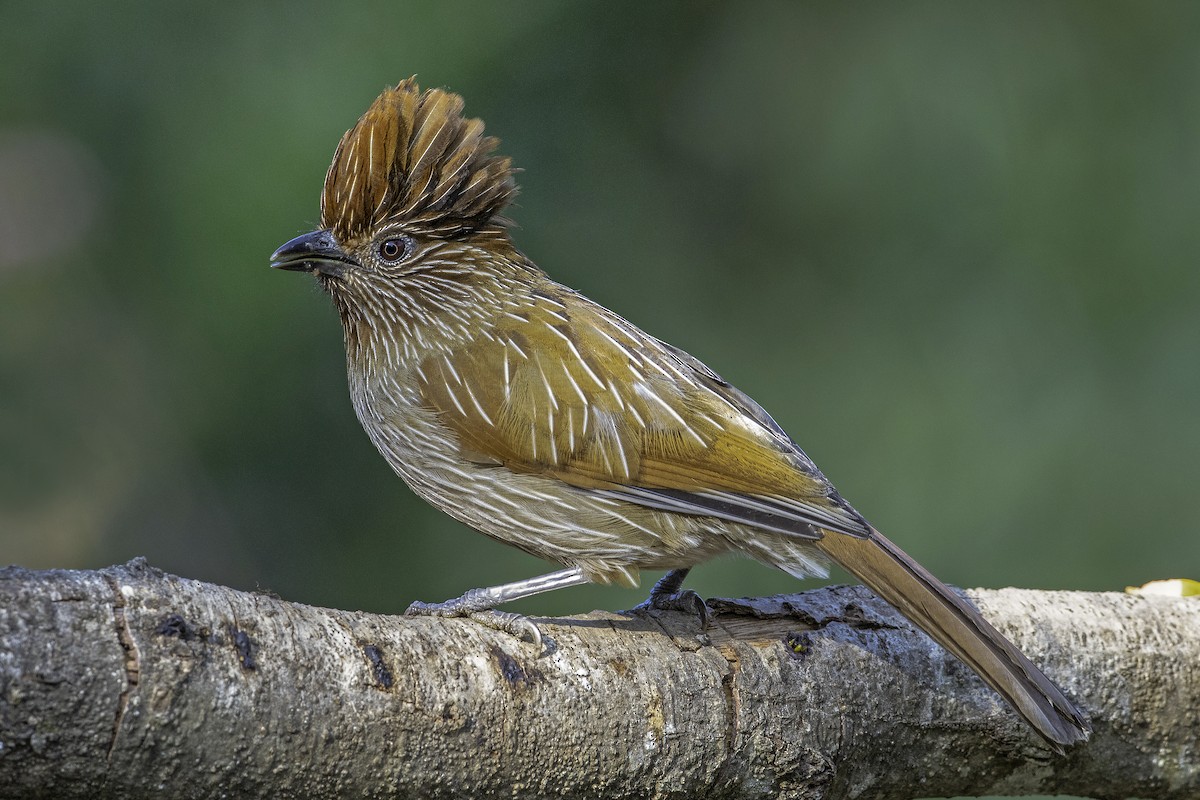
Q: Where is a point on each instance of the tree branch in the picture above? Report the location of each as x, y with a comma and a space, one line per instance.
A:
131, 683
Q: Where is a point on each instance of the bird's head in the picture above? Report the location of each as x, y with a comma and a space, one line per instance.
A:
413, 186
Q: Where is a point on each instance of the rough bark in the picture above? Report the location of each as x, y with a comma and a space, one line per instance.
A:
130, 683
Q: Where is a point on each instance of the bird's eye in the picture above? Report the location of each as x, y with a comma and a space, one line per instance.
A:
392, 250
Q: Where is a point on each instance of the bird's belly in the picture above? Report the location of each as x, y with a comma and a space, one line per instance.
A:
536, 513
610, 538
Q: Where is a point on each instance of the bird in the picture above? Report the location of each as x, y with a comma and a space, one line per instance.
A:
544, 420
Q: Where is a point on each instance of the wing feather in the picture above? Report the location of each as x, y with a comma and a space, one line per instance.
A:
565, 388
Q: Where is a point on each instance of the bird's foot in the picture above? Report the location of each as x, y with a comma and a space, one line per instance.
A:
480, 604
516, 625
668, 595
685, 600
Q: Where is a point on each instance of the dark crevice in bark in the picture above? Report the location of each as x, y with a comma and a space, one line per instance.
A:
132, 658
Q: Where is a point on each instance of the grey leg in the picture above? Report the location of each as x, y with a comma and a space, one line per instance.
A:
478, 604
670, 583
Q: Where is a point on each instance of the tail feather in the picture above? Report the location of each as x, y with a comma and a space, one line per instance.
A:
959, 628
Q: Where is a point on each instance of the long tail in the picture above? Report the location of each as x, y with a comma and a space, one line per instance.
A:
959, 628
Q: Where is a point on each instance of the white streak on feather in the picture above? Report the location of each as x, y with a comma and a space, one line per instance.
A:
654, 363
583, 363
646, 392
454, 398
517, 347
383, 196
575, 385
608, 435
653, 534
557, 332
416, 197
546, 383
551, 299
478, 407
632, 356
507, 376
608, 467
616, 395
634, 413
620, 448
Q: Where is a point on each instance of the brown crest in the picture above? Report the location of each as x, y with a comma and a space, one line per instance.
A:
414, 158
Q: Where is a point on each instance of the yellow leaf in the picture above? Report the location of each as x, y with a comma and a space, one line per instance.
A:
1174, 587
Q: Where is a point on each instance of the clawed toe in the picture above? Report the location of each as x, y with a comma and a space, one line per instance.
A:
513, 624
419, 609
516, 625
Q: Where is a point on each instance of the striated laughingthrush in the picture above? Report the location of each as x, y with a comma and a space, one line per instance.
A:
546, 421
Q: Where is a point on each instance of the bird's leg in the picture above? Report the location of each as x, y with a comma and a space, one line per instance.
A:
669, 584
479, 604
668, 596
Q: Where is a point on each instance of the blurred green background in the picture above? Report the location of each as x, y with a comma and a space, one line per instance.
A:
951, 247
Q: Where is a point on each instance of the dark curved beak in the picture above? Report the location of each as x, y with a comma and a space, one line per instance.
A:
316, 252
